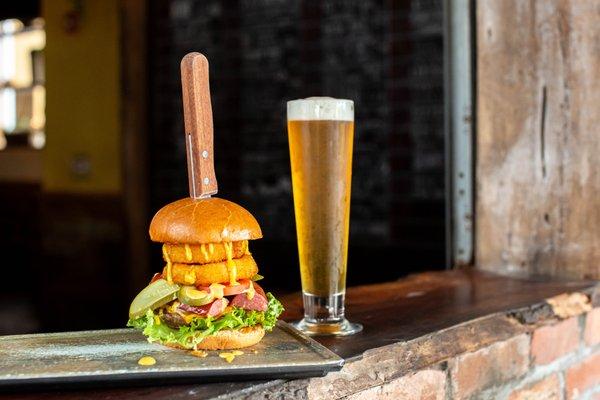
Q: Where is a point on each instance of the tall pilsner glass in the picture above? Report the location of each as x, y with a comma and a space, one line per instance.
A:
321, 131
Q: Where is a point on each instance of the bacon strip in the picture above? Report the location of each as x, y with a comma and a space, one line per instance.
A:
258, 302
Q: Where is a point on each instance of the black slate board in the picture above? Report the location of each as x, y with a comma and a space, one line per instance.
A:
110, 357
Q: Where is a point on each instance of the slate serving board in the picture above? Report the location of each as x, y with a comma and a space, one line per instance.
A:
110, 357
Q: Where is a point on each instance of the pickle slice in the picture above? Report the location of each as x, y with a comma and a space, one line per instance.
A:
193, 297
156, 294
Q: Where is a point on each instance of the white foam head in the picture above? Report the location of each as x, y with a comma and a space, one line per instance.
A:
320, 108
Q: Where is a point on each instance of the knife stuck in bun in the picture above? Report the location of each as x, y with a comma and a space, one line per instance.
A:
207, 296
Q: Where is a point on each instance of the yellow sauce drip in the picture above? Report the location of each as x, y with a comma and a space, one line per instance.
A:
147, 360
228, 249
190, 277
211, 248
250, 291
188, 252
216, 289
204, 253
246, 248
199, 353
188, 318
231, 267
168, 260
229, 356
173, 307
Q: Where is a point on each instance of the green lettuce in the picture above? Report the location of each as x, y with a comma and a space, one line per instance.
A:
188, 336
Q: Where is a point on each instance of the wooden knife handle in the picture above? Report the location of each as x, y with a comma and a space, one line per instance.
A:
197, 113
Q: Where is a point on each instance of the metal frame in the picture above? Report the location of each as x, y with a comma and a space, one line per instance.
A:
459, 131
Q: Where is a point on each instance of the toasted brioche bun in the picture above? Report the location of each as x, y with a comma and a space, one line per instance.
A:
205, 274
198, 221
233, 339
194, 254
229, 339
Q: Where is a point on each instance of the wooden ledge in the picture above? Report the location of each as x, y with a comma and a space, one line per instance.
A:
418, 321
426, 303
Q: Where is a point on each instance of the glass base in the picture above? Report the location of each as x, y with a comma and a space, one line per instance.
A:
341, 328
324, 315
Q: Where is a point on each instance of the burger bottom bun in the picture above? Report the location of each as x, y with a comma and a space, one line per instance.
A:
228, 339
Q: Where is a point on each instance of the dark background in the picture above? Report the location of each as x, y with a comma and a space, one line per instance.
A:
386, 56
71, 250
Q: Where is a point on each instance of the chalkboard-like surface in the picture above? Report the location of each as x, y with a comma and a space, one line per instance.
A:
110, 357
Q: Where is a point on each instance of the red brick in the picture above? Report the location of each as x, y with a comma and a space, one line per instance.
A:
423, 385
592, 327
489, 366
545, 389
554, 341
583, 376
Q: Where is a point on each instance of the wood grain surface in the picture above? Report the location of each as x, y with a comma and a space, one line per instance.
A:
197, 112
538, 137
424, 303
433, 315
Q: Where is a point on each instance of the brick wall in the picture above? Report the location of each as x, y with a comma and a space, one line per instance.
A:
386, 56
549, 355
560, 359
557, 360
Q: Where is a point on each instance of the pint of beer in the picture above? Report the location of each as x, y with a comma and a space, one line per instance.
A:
321, 131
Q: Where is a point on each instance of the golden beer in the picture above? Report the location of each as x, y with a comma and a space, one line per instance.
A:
321, 133
321, 158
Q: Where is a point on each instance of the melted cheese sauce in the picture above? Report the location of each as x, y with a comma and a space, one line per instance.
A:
188, 317
211, 248
250, 292
188, 252
204, 252
190, 277
199, 353
231, 267
173, 307
168, 260
147, 360
230, 356
216, 289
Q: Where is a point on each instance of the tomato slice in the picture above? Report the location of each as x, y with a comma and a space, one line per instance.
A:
244, 284
156, 277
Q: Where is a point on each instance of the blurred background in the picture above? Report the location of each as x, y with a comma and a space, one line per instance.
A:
92, 140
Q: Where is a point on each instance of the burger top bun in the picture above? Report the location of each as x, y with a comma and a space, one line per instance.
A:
199, 221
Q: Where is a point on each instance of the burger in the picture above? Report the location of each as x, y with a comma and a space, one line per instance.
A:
207, 296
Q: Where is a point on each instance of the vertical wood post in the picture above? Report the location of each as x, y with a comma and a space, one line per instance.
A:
538, 137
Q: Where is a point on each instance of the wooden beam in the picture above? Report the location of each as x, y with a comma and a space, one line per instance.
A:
538, 137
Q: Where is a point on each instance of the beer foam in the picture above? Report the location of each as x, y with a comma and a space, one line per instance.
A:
320, 108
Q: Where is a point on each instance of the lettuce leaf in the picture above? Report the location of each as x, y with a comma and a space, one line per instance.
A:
188, 336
